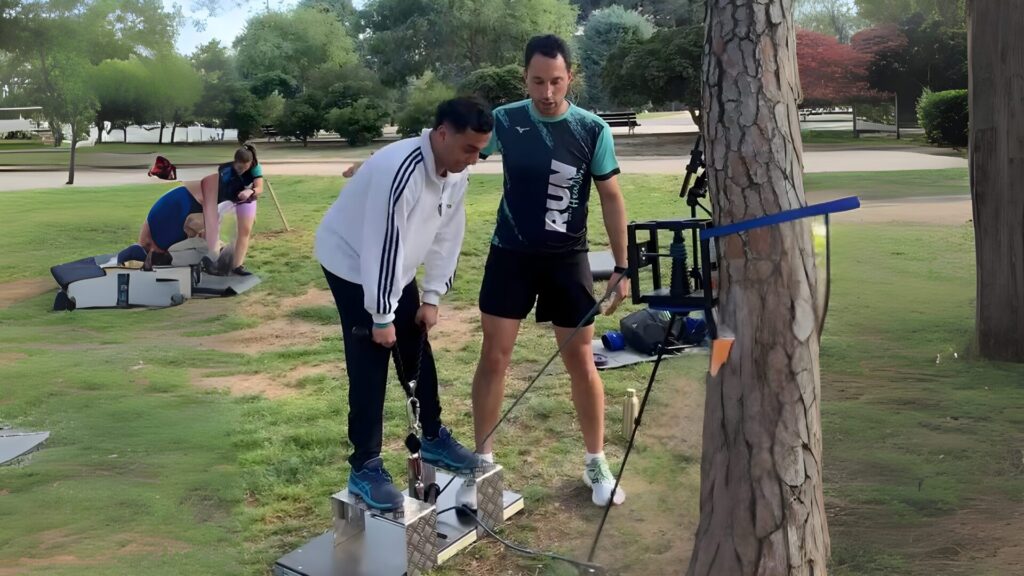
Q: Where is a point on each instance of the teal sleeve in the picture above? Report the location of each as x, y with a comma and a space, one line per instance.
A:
604, 163
256, 171
493, 145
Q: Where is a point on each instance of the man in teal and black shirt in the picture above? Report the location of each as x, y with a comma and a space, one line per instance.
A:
549, 164
551, 151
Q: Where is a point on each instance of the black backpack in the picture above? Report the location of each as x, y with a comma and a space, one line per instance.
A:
644, 330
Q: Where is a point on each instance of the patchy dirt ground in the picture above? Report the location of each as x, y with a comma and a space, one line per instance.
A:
123, 545
271, 334
18, 290
982, 538
455, 328
279, 330
11, 357
950, 211
243, 384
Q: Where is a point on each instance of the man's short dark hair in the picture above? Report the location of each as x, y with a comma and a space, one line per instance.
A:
550, 46
465, 112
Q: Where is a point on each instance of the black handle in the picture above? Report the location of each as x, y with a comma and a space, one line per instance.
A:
696, 163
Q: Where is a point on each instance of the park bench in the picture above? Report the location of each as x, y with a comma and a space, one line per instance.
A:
620, 119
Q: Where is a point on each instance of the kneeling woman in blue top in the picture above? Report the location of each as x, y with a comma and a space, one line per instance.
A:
240, 181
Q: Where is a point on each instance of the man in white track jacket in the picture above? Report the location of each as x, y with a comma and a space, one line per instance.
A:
404, 207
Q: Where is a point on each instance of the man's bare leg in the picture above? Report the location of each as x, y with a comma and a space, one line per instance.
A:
588, 398
587, 387
489, 380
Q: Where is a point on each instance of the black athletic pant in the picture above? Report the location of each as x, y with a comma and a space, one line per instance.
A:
367, 364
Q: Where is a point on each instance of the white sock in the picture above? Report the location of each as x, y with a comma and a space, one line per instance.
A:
590, 457
488, 457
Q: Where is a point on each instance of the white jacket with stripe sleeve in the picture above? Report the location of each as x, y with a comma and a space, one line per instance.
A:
393, 215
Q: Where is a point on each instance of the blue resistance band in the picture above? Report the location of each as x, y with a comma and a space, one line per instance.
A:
840, 205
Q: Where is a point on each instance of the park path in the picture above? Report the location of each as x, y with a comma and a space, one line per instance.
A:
924, 210
814, 161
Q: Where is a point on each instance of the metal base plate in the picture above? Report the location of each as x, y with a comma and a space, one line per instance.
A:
210, 285
317, 557
14, 444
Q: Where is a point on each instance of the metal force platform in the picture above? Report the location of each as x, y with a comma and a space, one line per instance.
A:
365, 542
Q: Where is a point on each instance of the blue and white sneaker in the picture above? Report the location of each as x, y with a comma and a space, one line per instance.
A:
373, 484
446, 453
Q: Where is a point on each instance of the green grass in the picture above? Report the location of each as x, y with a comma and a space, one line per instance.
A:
325, 315
206, 483
6, 145
890, 185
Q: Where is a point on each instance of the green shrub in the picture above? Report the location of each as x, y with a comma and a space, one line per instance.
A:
944, 117
421, 105
359, 123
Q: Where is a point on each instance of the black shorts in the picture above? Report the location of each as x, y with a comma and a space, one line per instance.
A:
561, 285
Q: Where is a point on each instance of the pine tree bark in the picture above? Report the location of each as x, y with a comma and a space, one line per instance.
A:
761, 505
996, 88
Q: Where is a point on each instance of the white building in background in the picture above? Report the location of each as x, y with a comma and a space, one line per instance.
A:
12, 119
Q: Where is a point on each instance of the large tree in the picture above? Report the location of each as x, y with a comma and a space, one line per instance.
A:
761, 502
10, 21
292, 48
836, 18
172, 90
605, 31
917, 53
120, 87
69, 99
664, 69
950, 12
302, 118
664, 13
831, 73
216, 70
341, 10
496, 85
420, 107
56, 45
997, 173
454, 37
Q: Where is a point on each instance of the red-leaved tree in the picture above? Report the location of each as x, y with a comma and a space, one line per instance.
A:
880, 39
885, 48
832, 73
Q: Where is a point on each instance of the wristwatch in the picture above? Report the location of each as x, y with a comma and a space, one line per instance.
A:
620, 270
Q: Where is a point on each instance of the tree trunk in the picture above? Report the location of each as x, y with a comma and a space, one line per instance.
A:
174, 128
99, 130
71, 165
996, 58
162, 124
761, 503
125, 130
